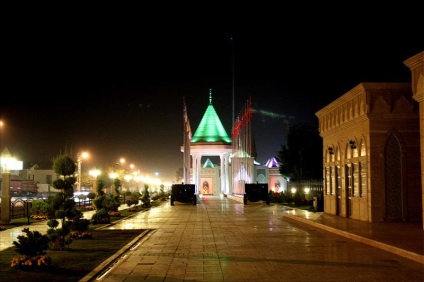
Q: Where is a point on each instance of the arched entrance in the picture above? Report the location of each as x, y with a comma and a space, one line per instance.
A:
393, 179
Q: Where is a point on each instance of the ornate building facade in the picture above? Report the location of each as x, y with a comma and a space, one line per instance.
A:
372, 160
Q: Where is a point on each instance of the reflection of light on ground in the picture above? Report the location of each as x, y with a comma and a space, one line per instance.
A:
154, 211
127, 225
307, 215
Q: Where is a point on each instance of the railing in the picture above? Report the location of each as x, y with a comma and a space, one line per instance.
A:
19, 208
315, 186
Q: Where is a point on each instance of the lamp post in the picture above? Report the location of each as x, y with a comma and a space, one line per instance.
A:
94, 173
8, 163
81, 155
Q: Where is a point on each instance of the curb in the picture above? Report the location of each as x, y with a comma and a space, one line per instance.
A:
108, 264
401, 252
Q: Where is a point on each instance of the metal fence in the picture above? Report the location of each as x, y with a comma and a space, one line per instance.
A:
315, 186
20, 208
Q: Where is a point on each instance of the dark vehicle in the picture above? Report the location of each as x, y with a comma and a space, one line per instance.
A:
255, 193
184, 193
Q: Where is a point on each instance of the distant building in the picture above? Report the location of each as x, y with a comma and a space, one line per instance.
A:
214, 161
42, 176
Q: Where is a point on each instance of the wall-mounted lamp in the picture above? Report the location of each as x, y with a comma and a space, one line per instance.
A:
330, 150
352, 144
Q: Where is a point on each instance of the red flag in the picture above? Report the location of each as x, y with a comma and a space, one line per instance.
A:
186, 120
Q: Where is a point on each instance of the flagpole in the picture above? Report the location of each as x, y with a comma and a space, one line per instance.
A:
232, 71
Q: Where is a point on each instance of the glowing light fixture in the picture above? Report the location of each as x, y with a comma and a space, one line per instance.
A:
81, 155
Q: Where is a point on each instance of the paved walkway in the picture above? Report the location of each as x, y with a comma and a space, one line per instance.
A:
401, 238
224, 240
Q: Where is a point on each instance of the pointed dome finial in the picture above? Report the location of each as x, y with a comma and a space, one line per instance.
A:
210, 96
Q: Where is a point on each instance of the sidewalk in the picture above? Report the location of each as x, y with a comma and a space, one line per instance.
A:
405, 239
220, 239
401, 238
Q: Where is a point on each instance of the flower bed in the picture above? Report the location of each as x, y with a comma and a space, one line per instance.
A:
85, 208
115, 213
101, 220
36, 263
38, 217
81, 235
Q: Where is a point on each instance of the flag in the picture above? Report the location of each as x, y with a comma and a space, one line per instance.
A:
187, 138
187, 126
243, 119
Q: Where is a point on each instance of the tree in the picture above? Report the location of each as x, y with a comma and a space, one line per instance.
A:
100, 186
117, 185
105, 203
301, 158
132, 198
145, 197
63, 203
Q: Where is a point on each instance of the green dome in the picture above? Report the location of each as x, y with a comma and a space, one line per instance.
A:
210, 128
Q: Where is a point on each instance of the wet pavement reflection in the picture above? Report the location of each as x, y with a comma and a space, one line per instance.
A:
220, 239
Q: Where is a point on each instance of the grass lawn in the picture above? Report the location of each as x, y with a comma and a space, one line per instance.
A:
79, 259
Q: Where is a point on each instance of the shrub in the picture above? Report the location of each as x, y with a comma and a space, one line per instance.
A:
80, 224
91, 196
41, 209
31, 245
108, 202
57, 236
145, 197
101, 216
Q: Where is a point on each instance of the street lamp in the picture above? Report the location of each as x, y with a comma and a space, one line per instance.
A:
113, 176
293, 191
128, 178
81, 155
94, 173
307, 191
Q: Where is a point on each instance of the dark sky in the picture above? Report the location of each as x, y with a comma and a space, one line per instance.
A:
113, 83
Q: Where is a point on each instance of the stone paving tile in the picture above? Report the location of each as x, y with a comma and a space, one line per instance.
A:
222, 240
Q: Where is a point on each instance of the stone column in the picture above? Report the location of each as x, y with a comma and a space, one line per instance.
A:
5, 197
416, 65
223, 174
227, 176
196, 171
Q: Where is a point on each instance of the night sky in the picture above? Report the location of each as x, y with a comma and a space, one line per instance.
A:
113, 83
